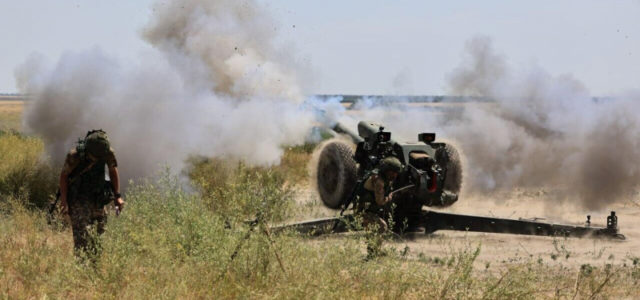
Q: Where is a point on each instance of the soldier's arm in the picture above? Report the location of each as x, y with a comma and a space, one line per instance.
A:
368, 184
112, 164
115, 179
376, 185
115, 183
69, 165
379, 192
64, 188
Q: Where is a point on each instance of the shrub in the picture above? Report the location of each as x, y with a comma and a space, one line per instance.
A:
24, 174
240, 192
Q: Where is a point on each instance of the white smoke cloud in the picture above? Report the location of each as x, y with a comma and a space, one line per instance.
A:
217, 86
227, 46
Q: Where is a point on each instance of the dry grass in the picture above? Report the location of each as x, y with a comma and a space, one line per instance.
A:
295, 162
23, 172
11, 115
171, 243
167, 244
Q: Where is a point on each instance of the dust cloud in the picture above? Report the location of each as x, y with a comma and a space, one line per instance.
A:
215, 84
530, 130
541, 130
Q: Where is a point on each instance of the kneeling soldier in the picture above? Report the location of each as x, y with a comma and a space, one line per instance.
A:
374, 199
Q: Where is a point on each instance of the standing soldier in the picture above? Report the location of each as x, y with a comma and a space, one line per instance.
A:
84, 190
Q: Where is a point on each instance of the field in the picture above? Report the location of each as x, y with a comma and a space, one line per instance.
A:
175, 240
11, 114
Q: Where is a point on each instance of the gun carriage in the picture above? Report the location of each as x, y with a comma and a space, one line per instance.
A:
431, 177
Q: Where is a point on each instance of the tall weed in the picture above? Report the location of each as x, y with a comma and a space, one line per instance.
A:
24, 173
240, 192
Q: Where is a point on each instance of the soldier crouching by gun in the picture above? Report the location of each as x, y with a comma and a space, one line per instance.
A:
375, 197
84, 191
374, 203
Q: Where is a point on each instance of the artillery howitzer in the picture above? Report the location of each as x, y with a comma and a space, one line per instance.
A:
432, 177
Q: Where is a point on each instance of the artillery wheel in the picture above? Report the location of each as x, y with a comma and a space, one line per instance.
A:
449, 157
336, 173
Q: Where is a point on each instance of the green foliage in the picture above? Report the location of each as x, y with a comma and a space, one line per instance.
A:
24, 174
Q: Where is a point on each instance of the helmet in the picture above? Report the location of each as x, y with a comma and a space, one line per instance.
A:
390, 164
97, 143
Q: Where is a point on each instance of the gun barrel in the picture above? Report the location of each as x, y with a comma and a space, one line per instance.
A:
339, 128
368, 129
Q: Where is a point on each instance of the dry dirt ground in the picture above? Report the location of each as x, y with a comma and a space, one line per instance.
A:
501, 249
504, 248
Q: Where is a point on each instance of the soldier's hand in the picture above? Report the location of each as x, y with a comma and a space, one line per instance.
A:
119, 203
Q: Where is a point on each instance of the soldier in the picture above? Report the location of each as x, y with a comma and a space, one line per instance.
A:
374, 202
84, 191
374, 198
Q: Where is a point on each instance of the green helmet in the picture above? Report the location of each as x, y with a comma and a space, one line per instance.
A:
390, 164
96, 143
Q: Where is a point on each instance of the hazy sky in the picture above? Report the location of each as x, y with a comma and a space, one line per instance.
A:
366, 46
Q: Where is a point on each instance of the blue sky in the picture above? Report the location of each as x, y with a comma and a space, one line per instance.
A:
367, 47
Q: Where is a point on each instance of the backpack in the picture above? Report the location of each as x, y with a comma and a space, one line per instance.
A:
88, 177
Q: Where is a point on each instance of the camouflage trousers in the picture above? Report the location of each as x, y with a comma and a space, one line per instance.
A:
87, 223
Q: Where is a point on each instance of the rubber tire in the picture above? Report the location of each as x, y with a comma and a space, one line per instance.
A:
451, 158
336, 175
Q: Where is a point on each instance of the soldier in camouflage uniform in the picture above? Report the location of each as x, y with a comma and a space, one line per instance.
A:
375, 198
84, 191
374, 203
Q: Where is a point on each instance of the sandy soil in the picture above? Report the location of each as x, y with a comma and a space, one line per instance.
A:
500, 249
504, 248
